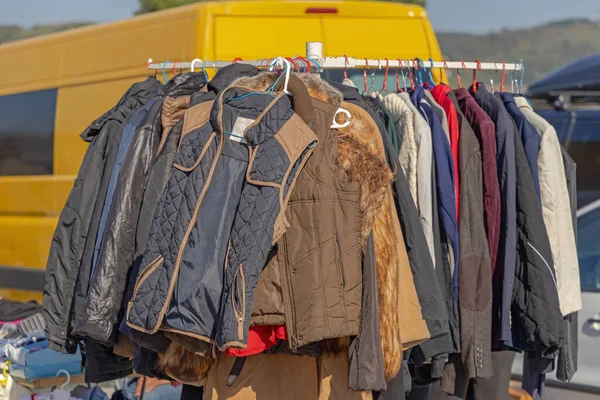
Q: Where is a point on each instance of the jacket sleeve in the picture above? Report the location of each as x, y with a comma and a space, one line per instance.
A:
567, 358
68, 242
365, 355
557, 217
107, 286
475, 272
537, 319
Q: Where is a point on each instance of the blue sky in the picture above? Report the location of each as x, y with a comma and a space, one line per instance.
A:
446, 15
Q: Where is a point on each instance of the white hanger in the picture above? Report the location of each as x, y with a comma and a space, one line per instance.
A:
335, 124
193, 63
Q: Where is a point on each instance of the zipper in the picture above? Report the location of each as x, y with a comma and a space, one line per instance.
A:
239, 309
544, 260
287, 292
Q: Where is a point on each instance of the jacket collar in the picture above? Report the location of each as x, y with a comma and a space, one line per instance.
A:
225, 76
184, 84
462, 94
144, 91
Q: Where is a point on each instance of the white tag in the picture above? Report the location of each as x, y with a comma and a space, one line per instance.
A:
237, 133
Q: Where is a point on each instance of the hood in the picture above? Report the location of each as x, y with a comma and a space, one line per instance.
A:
138, 94
225, 76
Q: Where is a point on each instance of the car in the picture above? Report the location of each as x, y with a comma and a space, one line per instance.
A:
587, 378
578, 130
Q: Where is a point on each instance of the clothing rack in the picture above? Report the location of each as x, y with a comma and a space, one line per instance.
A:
314, 55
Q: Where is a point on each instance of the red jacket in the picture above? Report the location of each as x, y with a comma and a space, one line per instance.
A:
439, 93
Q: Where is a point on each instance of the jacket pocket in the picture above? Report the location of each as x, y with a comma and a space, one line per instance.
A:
191, 152
238, 299
144, 274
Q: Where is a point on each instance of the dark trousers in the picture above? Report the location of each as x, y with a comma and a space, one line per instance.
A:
192, 392
494, 388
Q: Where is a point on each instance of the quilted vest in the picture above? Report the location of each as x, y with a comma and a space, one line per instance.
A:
223, 206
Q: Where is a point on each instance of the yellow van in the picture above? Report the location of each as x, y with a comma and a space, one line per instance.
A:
52, 87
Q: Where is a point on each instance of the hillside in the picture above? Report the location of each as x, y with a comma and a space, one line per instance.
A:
542, 48
14, 32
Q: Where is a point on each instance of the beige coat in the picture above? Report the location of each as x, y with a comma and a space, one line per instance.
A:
424, 156
556, 208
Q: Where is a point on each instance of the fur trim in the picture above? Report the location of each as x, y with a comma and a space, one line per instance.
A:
371, 172
317, 87
183, 365
387, 238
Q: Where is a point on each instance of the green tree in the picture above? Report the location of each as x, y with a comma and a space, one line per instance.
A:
156, 5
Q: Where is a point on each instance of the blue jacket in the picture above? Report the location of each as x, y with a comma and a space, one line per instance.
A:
504, 270
529, 136
444, 175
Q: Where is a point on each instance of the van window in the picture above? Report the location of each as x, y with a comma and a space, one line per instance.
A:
27, 133
584, 147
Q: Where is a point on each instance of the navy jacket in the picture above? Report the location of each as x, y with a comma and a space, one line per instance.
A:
529, 136
444, 175
504, 270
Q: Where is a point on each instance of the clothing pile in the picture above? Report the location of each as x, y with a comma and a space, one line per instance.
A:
230, 236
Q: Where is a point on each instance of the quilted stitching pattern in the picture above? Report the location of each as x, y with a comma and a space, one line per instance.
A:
253, 226
173, 216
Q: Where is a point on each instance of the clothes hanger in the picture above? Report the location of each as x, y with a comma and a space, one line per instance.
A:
475, 75
193, 63
419, 75
431, 75
385, 77
164, 73
373, 75
503, 77
365, 78
148, 65
522, 75
345, 65
458, 74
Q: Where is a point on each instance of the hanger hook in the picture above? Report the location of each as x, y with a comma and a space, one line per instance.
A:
345, 65
175, 67
307, 62
62, 371
503, 77
478, 68
385, 76
291, 60
430, 74
365, 77
236, 60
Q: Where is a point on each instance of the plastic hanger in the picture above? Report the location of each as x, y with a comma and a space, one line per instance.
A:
522, 75
475, 75
430, 74
164, 73
365, 78
458, 74
345, 64
148, 65
503, 77
193, 63
335, 124
385, 77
